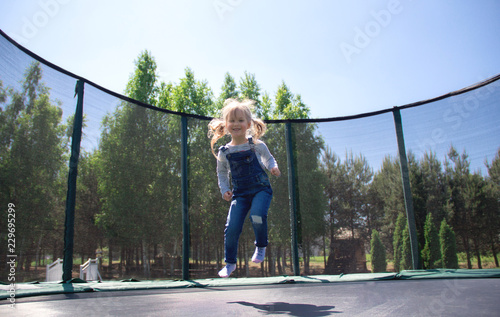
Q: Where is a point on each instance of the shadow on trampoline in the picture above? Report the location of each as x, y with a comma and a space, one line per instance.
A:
291, 309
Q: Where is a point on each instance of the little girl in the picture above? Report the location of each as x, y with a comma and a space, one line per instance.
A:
245, 157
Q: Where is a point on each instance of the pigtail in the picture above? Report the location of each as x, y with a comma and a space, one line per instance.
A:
216, 130
259, 128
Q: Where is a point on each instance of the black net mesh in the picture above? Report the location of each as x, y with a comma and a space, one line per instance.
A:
451, 143
129, 206
36, 102
129, 178
345, 212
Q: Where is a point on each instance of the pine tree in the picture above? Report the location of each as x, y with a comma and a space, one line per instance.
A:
431, 254
32, 163
379, 263
228, 90
397, 241
406, 256
448, 246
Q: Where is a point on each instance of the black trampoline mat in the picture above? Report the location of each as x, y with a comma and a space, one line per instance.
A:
425, 297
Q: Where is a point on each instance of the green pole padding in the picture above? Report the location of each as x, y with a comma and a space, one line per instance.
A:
185, 201
69, 224
405, 175
292, 197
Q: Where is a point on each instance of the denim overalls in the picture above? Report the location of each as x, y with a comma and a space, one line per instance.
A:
251, 192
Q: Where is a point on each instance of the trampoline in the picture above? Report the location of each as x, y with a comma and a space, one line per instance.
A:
419, 293
152, 226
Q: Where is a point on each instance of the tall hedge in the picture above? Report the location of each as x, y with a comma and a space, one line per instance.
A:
431, 254
448, 246
406, 256
398, 241
379, 263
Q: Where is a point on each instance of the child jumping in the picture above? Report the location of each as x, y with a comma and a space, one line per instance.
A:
245, 158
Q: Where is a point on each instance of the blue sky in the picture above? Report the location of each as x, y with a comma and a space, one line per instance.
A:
343, 57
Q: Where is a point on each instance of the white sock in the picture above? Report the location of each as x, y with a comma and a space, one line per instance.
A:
259, 254
227, 270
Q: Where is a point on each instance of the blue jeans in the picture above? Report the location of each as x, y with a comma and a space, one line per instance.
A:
257, 204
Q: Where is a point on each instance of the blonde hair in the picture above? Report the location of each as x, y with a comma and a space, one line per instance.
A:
217, 127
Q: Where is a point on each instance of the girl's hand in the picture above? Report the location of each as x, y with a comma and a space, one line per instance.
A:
228, 195
275, 171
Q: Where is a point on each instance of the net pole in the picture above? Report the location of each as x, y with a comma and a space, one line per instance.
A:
69, 224
292, 197
405, 176
185, 198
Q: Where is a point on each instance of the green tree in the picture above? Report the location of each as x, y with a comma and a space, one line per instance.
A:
494, 168
3, 94
428, 188
32, 163
457, 176
331, 165
310, 146
386, 198
433, 186
164, 95
347, 193
448, 246
377, 250
88, 206
476, 201
142, 83
207, 213
283, 100
192, 96
310, 185
266, 107
289, 106
134, 171
398, 241
406, 255
250, 89
228, 90
279, 212
493, 205
431, 254
356, 176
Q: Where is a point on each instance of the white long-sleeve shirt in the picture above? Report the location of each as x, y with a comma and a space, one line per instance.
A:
265, 158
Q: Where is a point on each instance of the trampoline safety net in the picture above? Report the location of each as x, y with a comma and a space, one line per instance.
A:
145, 214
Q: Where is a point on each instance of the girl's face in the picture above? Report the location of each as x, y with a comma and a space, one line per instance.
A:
237, 124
